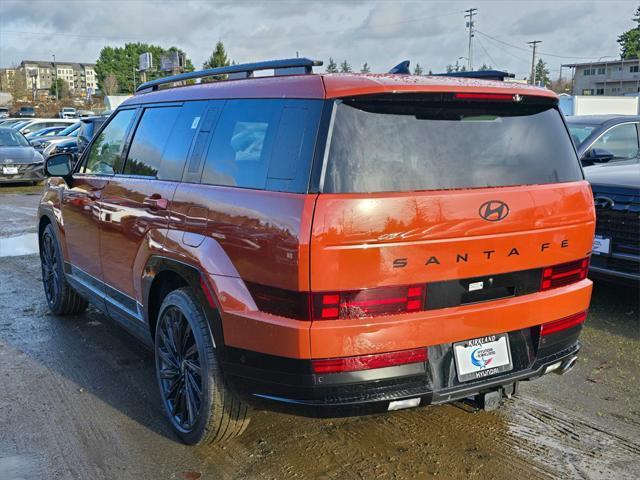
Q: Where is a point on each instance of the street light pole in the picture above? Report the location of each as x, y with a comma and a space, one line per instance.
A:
55, 69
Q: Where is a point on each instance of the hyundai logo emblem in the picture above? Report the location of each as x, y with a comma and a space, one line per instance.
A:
603, 202
494, 210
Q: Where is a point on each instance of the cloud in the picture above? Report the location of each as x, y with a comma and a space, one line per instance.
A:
381, 33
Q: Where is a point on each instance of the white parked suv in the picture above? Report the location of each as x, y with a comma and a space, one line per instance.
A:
68, 112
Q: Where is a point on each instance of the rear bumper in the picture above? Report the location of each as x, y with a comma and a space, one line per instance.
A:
616, 268
287, 384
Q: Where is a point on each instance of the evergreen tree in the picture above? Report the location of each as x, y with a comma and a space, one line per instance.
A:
630, 40
542, 74
62, 90
122, 61
345, 67
485, 67
430, 72
217, 59
332, 67
417, 69
365, 68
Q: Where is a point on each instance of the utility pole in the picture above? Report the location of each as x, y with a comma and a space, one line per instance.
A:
55, 69
469, 14
533, 61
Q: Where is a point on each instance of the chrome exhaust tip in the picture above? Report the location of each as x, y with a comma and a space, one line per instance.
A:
566, 366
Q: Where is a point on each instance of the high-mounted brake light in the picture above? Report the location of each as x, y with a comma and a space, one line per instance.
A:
367, 362
563, 323
564, 274
486, 96
368, 303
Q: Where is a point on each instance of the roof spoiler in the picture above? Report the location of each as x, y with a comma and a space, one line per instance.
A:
403, 69
288, 66
480, 74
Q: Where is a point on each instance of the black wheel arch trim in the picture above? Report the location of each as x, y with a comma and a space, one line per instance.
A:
196, 279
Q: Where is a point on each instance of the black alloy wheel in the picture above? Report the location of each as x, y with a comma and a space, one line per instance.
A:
179, 369
200, 405
50, 269
62, 298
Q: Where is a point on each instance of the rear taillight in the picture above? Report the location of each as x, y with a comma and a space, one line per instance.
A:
562, 324
281, 302
564, 274
367, 362
368, 303
485, 96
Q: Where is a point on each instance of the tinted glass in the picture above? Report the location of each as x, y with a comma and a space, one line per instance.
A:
11, 138
105, 155
149, 141
290, 164
240, 152
579, 132
70, 129
380, 146
621, 141
179, 141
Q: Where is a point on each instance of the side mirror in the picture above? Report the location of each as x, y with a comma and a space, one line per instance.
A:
597, 155
60, 165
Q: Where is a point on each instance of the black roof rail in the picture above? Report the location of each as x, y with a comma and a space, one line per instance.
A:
480, 74
287, 66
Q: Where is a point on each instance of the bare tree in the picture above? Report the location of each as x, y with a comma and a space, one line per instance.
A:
18, 87
110, 84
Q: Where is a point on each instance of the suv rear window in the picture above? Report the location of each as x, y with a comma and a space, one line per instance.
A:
382, 145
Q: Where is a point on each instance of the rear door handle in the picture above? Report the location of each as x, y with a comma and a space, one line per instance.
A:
155, 202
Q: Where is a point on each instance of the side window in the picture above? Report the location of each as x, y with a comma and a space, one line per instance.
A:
179, 140
105, 155
621, 141
292, 155
149, 141
240, 151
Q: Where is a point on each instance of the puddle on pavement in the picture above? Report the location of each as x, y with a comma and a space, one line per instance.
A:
26, 244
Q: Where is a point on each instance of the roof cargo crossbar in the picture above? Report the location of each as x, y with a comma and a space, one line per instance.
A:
288, 66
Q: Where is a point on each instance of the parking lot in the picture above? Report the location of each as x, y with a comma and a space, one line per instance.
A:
79, 400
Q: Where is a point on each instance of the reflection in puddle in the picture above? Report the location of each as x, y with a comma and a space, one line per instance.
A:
21, 245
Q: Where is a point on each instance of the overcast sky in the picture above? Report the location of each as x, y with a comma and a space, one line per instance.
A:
382, 33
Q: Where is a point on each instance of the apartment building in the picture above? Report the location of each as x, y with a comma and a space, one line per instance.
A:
609, 77
79, 76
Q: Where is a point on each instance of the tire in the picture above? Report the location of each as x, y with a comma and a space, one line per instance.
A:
61, 297
217, 414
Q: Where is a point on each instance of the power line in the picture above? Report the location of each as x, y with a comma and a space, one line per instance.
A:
493, 62
525, 50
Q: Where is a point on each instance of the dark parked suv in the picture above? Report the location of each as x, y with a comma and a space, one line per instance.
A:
328, 243
609, 148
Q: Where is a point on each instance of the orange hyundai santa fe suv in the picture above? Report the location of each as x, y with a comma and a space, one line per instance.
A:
336, 244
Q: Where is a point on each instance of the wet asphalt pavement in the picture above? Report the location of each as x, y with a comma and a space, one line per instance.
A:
78, 400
